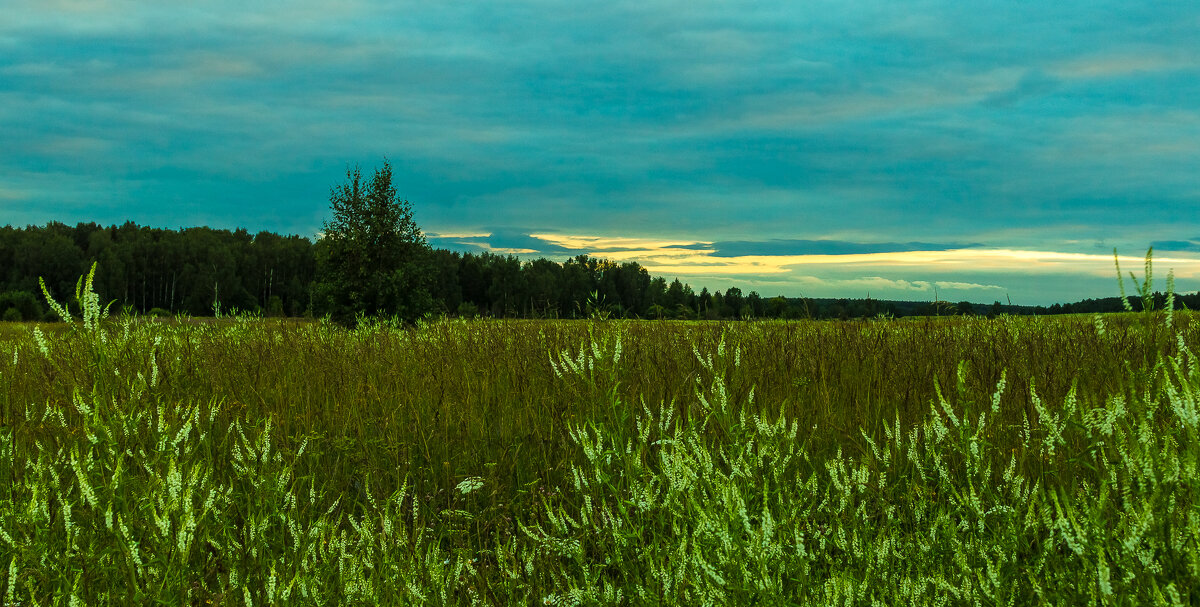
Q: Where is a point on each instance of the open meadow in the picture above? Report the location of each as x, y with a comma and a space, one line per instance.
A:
519, 303
934, 461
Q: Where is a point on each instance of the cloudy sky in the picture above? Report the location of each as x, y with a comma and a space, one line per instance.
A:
990, 150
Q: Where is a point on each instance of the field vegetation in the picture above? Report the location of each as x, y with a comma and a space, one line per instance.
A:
947, 461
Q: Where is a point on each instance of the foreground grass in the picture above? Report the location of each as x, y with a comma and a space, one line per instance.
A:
951, 461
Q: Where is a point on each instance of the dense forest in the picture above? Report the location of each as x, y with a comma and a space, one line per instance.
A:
199, 271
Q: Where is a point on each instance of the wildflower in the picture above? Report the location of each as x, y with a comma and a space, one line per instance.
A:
12, 581
57, 308
40, 339
469, 484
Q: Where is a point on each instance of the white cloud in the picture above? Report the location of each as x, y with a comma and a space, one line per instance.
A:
880, 284
966, 286
7, 193
457, 234
660, 246
1126, 63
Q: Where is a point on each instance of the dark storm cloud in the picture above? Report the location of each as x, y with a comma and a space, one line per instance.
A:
1192, 245
501, 239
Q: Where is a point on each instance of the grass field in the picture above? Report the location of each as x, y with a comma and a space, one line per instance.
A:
940, 461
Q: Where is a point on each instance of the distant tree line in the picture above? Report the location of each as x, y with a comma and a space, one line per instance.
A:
199, 270
374, 260
159, 271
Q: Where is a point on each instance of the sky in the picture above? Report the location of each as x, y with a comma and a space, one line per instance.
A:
962, 150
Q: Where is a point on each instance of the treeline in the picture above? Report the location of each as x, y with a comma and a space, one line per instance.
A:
198, 271
151, 270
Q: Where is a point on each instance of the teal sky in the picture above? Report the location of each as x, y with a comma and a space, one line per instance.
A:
983, 149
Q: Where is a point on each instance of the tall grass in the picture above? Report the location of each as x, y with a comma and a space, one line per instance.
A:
948, 461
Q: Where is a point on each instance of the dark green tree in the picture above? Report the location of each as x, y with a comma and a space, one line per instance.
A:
542, 282
579, 280
758, 307
656, 295
446, 288
20, 305
675, 296
372, 260
777, 307
733, 301
473, 278
717, 308
507, 287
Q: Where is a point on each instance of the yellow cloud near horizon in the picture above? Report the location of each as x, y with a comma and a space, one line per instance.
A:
576, 241
697, 258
